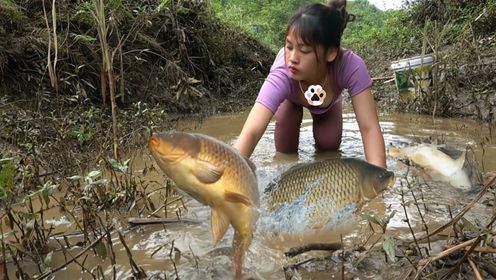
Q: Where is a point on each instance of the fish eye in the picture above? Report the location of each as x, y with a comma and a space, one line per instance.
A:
312, 90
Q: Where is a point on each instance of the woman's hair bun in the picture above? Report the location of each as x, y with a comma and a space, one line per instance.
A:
340, 5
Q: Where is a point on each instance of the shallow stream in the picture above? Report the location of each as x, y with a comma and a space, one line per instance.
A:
193, 257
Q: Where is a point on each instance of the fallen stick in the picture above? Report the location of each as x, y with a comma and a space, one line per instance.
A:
477, 273
462, 213
479, 249
296, 265
51, 271
447, 252
313, 246
155, 221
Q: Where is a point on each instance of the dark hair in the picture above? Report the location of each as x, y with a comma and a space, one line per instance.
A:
340, 5
321, 24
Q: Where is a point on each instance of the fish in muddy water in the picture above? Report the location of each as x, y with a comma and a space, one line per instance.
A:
314, 196
432, 159
216, 175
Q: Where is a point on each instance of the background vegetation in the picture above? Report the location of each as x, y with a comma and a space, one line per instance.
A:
459, 34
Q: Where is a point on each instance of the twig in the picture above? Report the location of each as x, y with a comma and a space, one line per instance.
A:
407, 273
48, 273
477, 273
138, 271
154, 221
465, 256
296, 265
65, 252
313, 246
420, 214
478, 249
462, 213
403, 204
362, 257
448, 251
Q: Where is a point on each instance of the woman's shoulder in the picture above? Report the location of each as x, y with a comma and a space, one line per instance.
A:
354, 74
279, 60
348, 57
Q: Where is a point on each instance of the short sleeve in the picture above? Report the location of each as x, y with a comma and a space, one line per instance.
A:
355, 73
276, 87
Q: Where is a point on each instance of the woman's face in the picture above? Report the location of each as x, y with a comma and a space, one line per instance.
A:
301, 59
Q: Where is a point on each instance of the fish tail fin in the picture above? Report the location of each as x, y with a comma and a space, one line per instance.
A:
461, 159
241, 241
220, 223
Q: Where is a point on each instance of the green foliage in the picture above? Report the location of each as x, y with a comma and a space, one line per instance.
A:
389, 246
7, 176
11, 18
84, 130
374, 30
266, 20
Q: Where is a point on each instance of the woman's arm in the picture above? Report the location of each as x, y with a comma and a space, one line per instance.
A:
368, 122
253, 129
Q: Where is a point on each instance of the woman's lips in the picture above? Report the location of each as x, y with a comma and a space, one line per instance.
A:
293, 70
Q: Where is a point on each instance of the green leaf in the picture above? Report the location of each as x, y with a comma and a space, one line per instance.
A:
83, 38
93, 173
389, 247
7, 175
9, 159
47, 260
370, 219
3, 193
47, 191
99, 182
489, 240
117, 166
75, 177
101, 250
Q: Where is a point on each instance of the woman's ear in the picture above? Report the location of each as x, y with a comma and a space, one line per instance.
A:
331, 54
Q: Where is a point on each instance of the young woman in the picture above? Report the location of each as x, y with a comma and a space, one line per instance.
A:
311, 71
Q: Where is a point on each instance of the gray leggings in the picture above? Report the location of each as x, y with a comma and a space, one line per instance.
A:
327, 127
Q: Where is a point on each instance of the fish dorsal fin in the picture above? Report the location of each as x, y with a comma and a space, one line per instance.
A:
207, 173
250, 164
220, 223
237, 198
461, 160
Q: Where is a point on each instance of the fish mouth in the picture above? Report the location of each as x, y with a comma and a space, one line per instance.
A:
165, 150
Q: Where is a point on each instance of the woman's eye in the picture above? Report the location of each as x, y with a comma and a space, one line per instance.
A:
305, 50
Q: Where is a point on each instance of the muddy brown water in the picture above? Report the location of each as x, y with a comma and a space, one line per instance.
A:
151, 245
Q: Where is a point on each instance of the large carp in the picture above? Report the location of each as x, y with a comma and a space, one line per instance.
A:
432, 159
316, 192
215, 174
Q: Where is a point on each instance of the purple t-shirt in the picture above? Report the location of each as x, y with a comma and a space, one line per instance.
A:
348, 72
